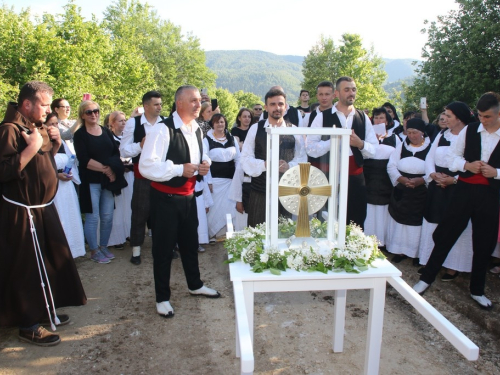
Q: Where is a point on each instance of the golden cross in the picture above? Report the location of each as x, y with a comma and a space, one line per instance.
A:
303, 191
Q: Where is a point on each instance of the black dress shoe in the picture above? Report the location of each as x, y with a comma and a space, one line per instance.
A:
421, 270
135, 260
449, 277
39, 336
398, 258
63, 320
416, 262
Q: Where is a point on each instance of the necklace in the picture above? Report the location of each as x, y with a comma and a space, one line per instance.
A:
223, 138
421, 144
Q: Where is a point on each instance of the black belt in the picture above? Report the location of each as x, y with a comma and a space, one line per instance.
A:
198, 193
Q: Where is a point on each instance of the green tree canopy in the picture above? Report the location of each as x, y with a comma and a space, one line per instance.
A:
461, 55
246, 99
175, 59
327, 62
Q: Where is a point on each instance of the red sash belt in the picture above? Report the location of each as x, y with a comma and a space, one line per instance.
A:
186, 189
137, 174
477, 179
354, 168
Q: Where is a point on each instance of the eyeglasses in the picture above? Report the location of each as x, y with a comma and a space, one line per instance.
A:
64, 106
89, 112
257, 109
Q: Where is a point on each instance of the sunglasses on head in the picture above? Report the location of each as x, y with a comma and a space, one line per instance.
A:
88, 112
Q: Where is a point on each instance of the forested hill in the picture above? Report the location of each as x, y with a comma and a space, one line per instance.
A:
256, 71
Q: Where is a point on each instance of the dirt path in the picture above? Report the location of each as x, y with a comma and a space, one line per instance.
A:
119, 332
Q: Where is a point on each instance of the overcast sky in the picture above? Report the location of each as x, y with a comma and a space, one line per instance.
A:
288, 27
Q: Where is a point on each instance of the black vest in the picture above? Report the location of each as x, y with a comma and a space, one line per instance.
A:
139, 134
178, 151
222, 169
472, 152
287, 142
292, 116
358, 125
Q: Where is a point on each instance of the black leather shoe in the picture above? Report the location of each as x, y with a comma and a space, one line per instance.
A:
63, 320
39, 336
135, 260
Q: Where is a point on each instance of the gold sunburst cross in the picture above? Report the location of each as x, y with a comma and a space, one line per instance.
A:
303, 190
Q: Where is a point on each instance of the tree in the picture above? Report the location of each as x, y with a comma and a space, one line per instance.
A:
327, 62
461, 55
227, 104
176, 59
246, 99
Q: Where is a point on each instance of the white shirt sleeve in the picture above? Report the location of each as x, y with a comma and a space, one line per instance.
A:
153, 164
430, 164
129, 149
300, 155
455, 155
392, 165
371, 142
251, 166
315, 147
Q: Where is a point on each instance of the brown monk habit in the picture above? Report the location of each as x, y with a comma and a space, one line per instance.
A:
22, 301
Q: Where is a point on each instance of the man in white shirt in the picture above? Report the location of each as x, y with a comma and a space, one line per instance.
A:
131, 145
173, 159
254, 154
290, 114
363, 144
476, 156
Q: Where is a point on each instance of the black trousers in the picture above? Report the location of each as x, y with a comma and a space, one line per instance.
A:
356, 200
140, 211
479, 203
174, 220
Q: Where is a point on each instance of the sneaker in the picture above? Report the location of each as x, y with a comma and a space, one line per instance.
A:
482, 301
108, 254
201, 249
212, 241
39, 336
99, 257
206, 292
420, 287
449, 277
165, 309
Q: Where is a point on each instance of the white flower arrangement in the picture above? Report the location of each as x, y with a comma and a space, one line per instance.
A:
358, 253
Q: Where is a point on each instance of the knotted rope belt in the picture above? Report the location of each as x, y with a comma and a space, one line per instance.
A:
39, 260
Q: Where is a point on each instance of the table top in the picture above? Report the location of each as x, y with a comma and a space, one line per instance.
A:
382, 268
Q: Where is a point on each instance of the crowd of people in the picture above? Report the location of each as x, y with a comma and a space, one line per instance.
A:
428, 191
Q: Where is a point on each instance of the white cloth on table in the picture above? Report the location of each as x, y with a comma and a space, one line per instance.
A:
122, 215
68, 208
460, 256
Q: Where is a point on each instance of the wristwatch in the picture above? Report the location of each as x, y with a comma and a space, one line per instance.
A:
455, 181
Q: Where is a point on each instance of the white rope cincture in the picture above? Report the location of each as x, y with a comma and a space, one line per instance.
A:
39, 259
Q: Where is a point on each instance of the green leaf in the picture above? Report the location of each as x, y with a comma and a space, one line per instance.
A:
275, 271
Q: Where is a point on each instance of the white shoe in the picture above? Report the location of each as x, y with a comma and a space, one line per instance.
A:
482, 301
165, 309
420, 287
205, 291
201, 249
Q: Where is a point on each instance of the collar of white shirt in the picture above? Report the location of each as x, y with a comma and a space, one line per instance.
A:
482, 129
334, 109
178, 122
144, 120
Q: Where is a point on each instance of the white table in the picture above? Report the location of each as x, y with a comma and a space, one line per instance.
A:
246, 283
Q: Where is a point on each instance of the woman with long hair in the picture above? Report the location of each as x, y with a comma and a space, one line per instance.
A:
101, 172
243, 122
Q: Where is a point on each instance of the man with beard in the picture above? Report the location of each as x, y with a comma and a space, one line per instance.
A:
33, 245
254, 154
363, 144
290, 113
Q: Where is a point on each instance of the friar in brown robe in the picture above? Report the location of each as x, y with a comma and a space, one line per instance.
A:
29, 177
